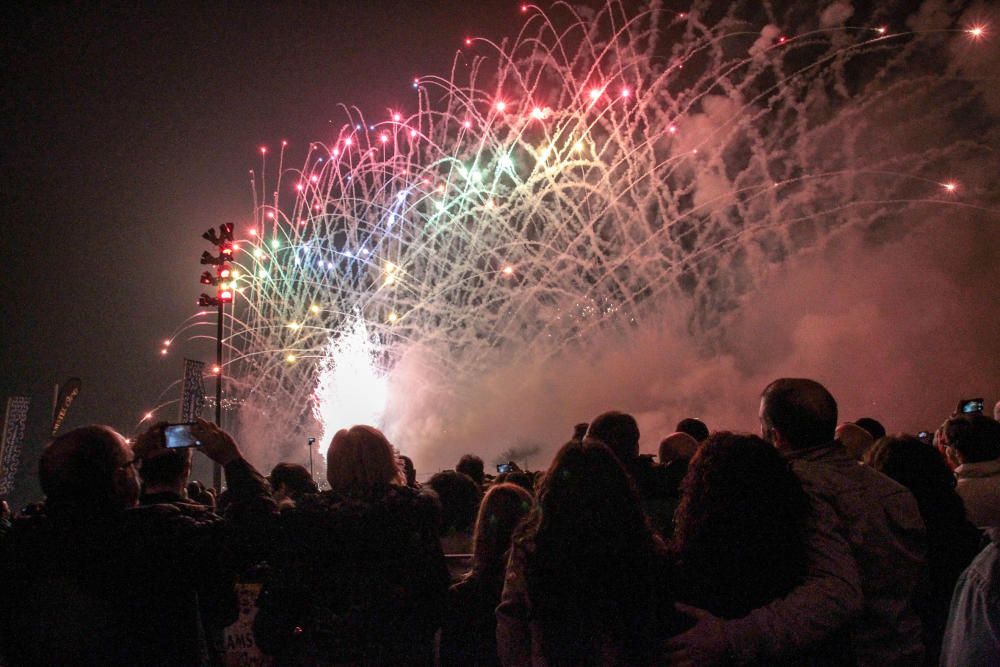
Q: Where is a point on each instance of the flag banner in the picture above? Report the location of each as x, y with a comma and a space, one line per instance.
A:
193, 392
15, 422
67, 394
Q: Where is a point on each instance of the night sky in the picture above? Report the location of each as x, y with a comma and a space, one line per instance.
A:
129, 131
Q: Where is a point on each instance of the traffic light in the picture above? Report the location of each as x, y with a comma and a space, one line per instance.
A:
223, 239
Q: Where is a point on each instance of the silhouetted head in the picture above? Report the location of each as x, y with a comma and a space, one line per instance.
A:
166, 468
409, 471
873, 426
742, 520
619, 431
975, 437
361, 461
677, 446
291, 480
88, 471
472, 465
587, 549
459, 496
797, 413
502, 509
855, 439
580, 430
694, 427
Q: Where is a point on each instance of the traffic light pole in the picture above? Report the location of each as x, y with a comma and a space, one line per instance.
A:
223, 279
216, 468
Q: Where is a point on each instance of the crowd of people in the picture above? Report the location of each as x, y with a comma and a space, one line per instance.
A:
816, 542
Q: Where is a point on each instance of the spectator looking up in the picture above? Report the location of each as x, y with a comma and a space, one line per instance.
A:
96, 579
952, 542
694, 427
358, 575
585, 580
873, 426
620, 433
866, 551
468, 635
459, 496
289, 482
855, 440
472, 466
973, 444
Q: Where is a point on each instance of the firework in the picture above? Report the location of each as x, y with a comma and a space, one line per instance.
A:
566, 184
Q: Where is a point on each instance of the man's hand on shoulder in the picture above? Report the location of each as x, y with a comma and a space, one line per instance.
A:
704, 644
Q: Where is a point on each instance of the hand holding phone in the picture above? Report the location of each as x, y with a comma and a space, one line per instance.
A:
216, 444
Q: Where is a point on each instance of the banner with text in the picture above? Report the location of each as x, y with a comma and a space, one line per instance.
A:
193, 392
67, 394
15, 422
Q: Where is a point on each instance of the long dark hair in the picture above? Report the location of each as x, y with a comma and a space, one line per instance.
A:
740, 534
502, 509
590, 558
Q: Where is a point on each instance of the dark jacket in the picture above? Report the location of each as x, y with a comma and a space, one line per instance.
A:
354, 581
469, 632
134, 588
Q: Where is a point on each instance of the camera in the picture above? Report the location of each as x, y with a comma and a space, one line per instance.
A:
178, 436
505, 467
311, 441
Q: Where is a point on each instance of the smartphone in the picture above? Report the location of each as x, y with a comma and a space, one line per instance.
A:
925, 437
504, 467
970, 406
177, 436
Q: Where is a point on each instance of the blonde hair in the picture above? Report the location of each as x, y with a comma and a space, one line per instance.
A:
361, 460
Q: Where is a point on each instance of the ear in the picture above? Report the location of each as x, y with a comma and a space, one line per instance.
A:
779, 441
126, 485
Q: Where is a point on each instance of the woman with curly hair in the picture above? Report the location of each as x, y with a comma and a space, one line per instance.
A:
584, 583
740, 536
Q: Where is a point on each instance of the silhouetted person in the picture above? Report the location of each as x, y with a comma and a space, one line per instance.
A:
873, 426
358, 576
973, 445
694, 427
409, 471
952, 542
472, 465
620, 432
580, 431
98, 580
740, 540
584, 585
866, 551
855, 440
469, 633
289, 482
972, 636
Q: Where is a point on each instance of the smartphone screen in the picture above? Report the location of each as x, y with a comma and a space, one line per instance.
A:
179, 435
974, 405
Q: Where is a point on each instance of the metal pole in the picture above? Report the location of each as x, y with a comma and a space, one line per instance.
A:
216, 468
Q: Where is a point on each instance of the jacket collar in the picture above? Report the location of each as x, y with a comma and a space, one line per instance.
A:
982, 469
